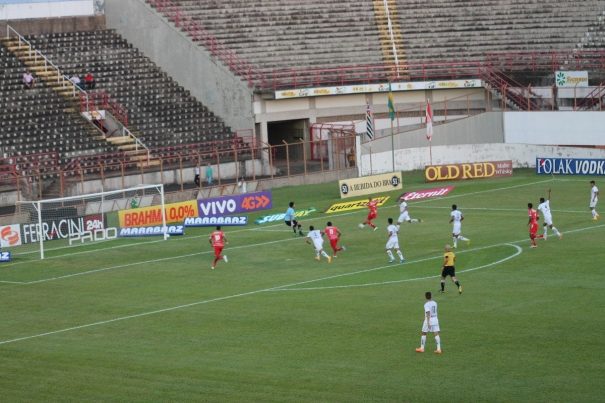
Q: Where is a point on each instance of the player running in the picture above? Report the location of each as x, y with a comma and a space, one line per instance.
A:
315, 236
594, 199
544, 207
456, 218
372, 213
404, 214
430, 324
334, 234
449, 259
533, 225
290, 219
217, 240
393, 242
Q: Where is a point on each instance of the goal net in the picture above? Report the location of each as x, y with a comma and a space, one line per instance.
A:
47, 225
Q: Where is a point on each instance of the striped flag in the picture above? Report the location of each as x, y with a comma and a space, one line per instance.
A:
369, 122
429, 121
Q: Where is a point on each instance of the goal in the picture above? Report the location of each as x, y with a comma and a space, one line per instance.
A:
51, 224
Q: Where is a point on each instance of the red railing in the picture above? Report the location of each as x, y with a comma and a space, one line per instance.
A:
100, 100
591, 100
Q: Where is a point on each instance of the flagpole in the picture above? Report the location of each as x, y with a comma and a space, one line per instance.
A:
392, 145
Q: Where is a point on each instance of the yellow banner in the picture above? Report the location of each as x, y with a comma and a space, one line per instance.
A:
145, 216
355, 205
370, 184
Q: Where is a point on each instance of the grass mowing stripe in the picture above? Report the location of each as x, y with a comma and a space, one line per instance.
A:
224, 298
517, 253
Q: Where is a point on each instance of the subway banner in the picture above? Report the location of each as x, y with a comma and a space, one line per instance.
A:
475, 170
569, 166
148, 216
370, 184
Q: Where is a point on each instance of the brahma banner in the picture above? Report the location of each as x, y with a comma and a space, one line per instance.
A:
370, 184
475, 170
152, 216
569, 166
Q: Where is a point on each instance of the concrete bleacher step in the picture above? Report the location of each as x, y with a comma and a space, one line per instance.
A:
120, 140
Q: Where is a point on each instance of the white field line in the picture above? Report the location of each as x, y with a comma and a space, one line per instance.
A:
517, 253
11, 282
174, 308
516, 210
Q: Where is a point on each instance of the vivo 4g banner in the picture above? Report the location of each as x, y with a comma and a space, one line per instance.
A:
234, 204
569, 166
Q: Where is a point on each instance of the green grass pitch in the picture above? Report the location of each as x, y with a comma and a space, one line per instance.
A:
147, 320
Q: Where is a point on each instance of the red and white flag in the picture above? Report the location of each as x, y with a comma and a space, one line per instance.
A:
429, 121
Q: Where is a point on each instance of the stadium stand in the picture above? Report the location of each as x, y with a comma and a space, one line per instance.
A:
162, 112
38, 120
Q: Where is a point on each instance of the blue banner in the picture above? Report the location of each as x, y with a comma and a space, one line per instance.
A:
230, 221
569, 166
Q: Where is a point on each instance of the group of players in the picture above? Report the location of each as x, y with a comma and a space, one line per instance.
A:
431, 322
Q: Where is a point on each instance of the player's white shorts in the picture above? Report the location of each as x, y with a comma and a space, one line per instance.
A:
457, 228
403, 217
593, 204
392, 243
319, 245
548, 219
434, 326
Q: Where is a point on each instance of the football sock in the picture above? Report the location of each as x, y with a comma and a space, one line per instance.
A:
390, 254
422, 341
556, 231
455, 241
462, 238
457, 283
442, 285
414, 220
324, 254
371, 225
438, 341
400, 255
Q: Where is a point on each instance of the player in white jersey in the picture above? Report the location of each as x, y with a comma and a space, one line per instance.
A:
404, 214
393, 242
315, 236
594, 198
430, 324
544, 208
456, 217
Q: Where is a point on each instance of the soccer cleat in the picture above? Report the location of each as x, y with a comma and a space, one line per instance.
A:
329, 259
468, 242
343, 247
375, 228
560, 236
533, 246
212, 267
225, 258
438, 351
460, 290
301, 233
401, 260
441, 291
391, 261
420, 350
317, 258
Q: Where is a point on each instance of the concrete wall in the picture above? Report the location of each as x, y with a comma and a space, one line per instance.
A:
50, 25
522, 155
45, 9
189, 64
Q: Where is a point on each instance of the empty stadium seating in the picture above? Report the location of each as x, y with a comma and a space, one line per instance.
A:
162, 112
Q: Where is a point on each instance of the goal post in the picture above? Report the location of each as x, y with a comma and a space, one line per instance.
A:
75, 220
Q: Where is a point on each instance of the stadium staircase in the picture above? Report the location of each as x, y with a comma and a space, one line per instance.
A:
52, 77
391, 38
594, 100
516, 96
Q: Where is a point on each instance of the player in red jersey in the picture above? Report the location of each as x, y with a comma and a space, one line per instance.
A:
533, 225
372, 213
334, 234
217, 240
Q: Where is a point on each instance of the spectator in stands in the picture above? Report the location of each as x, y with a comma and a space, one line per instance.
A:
28, 80
351, 158
209, 174
89, 81
76, 80
196, 178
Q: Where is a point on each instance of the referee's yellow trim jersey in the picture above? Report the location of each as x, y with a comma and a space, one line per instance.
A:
449, 258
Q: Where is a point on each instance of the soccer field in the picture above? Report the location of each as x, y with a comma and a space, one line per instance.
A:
147, 320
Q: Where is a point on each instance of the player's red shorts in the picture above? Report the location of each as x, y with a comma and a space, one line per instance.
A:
333, 243
371, 216
218, 250
533, 230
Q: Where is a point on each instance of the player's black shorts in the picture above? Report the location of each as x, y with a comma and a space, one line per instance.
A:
291, 223
448, 271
